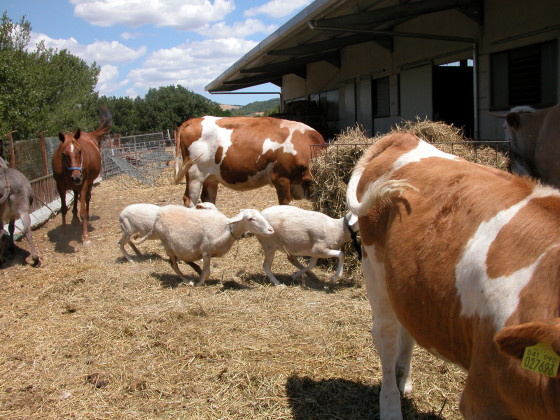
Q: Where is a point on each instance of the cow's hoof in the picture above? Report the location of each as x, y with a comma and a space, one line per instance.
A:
87, 242
36, 262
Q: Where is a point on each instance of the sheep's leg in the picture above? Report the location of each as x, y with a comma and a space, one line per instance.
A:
205, 271
195, 267
267, 264
310, 266
340, 256
124, 240
136, 250
295, 262
173, 262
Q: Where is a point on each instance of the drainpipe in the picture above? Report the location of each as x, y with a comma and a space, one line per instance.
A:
313, 25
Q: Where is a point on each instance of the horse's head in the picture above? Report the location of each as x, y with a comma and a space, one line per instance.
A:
72, 156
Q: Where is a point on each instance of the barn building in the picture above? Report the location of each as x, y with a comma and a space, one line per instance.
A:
377, 62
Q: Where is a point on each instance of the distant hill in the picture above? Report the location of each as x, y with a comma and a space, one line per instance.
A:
257, 108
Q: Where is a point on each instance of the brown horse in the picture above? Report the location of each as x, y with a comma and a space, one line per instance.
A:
76, 164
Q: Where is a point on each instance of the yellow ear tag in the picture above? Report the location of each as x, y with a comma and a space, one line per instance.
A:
541, 358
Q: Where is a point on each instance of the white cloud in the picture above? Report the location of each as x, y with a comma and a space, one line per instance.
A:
130, 35
192, 64
237, 30
277, 8
185, 15
102, 52
108, 80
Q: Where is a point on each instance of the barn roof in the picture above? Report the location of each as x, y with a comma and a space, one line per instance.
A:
322, 29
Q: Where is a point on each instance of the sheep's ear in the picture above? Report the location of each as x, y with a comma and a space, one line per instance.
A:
237, 218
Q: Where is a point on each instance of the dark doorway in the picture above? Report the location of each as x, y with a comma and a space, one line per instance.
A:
453, 95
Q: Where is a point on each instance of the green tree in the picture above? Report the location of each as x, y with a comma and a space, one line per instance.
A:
45, 89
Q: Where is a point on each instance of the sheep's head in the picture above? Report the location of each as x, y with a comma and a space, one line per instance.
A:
251, 220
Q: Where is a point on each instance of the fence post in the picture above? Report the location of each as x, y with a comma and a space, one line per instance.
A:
44, 150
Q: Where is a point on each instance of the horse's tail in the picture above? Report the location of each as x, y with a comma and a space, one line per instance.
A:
106, 120
180, 173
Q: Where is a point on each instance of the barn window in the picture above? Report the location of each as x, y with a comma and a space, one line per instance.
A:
525, 76
381, 97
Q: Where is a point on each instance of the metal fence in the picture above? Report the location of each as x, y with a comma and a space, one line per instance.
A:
145, 153
141, 157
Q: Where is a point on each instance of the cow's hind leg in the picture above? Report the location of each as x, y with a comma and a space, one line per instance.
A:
209, 192
385, 334
402, 366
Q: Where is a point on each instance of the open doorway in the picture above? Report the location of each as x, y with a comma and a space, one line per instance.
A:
453, 97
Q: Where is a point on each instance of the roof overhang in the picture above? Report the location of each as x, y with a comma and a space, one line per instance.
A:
321, 30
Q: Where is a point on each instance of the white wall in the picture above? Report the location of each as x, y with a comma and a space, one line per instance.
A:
416, 93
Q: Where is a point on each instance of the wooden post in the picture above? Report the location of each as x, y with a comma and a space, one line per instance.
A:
44, 149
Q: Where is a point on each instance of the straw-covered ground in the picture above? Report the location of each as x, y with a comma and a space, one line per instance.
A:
90, 336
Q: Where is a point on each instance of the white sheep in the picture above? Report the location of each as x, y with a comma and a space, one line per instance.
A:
299, 232
137, 220
189, 234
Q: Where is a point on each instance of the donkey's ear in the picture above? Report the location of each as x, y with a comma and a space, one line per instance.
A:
77, 134
61, 135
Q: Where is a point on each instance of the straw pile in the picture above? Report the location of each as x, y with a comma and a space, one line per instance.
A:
332, 169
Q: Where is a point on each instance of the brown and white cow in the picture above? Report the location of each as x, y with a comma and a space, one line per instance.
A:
535, 137
244, 153
464, 260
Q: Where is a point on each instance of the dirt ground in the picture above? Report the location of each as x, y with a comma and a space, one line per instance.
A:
90, 336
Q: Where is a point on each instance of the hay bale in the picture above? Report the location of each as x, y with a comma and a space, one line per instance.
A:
332, 169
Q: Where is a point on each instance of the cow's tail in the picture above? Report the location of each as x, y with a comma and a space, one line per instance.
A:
180, 172
382, 189
177, 150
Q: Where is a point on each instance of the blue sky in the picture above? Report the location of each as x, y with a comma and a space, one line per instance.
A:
143, 44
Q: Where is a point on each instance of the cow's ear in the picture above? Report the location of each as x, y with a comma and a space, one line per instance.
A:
77, 134
61, 135
514, 340
513, 119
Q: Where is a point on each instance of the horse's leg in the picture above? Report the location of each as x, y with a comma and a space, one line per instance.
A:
63, 206
84, 212
77, 197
